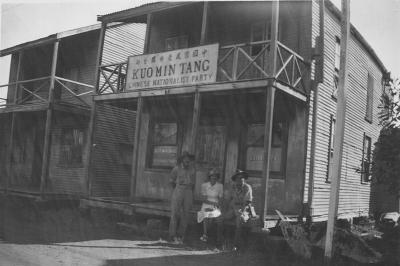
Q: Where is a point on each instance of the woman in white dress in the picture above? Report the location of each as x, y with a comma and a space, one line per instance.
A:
212, 193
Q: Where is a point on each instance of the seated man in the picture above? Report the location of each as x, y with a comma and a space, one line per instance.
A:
240, 204
212, 194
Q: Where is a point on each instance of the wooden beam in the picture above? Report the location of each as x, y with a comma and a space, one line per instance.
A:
12, 127
99, 55
140, 11
28, 45
135, 151
148, 32
88, 148
89, 142
80, 30
269, 116
49, 117
269, 110
215, 87
195, 121
339, 132
204, 23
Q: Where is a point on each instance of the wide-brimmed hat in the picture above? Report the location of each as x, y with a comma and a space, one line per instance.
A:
213, 172
240, 173
186, 154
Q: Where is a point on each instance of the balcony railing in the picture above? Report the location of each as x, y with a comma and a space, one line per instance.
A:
239, 62
36, 91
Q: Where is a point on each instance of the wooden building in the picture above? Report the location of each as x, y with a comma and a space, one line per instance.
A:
247, 85
45, 116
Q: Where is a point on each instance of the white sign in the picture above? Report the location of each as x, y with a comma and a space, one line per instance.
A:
190, 66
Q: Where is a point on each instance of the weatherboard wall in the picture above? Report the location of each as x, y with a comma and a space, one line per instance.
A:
354, 197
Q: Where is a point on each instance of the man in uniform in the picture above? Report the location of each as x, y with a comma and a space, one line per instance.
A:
182, 179
240, 204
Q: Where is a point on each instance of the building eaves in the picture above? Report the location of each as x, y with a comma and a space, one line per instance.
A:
49, 39
338, 14
126, 14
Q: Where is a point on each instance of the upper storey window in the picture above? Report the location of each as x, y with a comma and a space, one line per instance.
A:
337, 67
175, 43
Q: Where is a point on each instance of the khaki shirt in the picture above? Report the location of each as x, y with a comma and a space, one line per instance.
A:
241, 195
182, 177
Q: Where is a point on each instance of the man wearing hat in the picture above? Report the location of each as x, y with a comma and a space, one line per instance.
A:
241, 198
182, 179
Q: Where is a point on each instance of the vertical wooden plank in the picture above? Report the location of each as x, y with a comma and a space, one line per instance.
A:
88, 148
195, 121
89, 143
339, 132
319, 78
269, 110
147, 36
49, 117
204, 23
12, 128
100, 54
132, 192
235, 63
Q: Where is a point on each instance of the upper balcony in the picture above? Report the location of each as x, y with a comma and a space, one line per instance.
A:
63, 64
242, 30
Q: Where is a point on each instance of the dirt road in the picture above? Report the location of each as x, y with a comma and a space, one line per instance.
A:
119, 252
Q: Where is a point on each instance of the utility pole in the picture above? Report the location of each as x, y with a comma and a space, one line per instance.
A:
339, 132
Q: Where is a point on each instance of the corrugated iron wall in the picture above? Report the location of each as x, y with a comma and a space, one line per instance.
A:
122, 40
112, 153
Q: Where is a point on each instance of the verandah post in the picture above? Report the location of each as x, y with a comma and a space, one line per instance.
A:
49, 117
88, 148
269, 112
12, 128
132, 191
339, 133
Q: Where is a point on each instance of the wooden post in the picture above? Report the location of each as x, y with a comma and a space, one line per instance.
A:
49, 117
147, 36
195, 121
320, 74
89, 143
269, 109
12, 128
132, 192
339, 132
204, 23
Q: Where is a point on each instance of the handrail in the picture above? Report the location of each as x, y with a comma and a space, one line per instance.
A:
24, 81
292, 52
75, 82
114, 64
245, 44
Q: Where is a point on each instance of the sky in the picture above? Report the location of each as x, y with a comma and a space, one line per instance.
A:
26, 20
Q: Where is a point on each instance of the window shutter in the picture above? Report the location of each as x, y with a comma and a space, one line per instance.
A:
370, 98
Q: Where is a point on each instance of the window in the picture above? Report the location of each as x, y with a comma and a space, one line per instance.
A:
258, 32
163, 145
337, 54
175, 43
210, 147
330, 149
71, 147
336, 70
366, 160
255, 149
370, 98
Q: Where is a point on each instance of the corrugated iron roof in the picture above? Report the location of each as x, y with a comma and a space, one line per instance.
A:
49, 39
140, 11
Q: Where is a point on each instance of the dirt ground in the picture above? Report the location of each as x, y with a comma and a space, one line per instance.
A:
61, 234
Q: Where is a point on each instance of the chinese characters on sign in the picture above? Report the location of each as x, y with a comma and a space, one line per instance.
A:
182, 67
